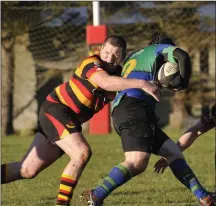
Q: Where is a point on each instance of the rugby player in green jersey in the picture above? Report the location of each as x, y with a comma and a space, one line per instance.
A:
135, 122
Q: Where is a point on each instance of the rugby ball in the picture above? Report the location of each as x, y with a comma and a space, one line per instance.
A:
169, 75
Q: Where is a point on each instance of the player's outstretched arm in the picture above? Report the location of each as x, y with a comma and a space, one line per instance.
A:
114, 83
185, 141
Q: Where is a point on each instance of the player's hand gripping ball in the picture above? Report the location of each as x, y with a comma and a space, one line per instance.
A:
169, 76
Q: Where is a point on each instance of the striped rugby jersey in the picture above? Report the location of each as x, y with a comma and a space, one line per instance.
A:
83, 96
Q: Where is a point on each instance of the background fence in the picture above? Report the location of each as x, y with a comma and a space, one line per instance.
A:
43, 42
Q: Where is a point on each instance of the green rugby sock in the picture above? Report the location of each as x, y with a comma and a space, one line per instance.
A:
117, 177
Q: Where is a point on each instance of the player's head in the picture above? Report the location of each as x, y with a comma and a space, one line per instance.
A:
161, 39
113, 51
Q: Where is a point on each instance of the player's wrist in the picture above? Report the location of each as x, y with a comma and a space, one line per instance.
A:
143, 84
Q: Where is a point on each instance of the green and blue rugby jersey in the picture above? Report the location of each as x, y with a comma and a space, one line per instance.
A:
144, 64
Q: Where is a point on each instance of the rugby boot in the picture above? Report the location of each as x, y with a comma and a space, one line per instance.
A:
90, 198
208, 200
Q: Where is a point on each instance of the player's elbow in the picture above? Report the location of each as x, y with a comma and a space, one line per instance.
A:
180, 54
185, 68
183, 58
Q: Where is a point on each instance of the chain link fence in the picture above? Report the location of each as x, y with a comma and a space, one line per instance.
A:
42, 43
192, 26
49, 39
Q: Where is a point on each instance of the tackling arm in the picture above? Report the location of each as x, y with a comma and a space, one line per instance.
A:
114, 83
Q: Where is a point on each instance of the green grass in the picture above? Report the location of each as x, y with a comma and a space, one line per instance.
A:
148, 189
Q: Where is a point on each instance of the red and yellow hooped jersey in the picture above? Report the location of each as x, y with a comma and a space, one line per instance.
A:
79, 92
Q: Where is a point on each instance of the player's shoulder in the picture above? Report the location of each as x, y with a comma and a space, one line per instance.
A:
134, 55
162, 46
94, 59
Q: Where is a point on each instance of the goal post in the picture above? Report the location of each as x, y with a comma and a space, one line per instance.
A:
95, 36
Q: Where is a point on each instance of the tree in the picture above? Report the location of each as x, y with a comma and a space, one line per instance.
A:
22, 24
180, 20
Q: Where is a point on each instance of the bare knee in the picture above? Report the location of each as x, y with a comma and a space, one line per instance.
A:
136, 161
28, 173
84, 156
77, 148
136, 166
139, 166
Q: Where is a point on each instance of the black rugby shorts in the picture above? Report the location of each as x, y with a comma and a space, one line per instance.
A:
57, 121
136, 124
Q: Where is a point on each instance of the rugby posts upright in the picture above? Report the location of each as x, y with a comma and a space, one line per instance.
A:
95, 36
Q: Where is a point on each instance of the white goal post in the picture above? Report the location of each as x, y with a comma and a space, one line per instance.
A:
96, 13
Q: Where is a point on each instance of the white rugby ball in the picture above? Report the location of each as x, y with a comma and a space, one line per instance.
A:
167, 73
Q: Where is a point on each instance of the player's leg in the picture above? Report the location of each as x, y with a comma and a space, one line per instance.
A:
78, 149
130, 122
135, 163
40, 155
167, 148
64, 127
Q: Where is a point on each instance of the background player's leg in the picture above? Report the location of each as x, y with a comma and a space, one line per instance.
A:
40, 155
181, 169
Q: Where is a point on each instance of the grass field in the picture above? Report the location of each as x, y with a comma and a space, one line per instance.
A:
144, 190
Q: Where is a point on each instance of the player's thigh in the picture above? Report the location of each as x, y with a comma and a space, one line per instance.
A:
62, 126
134, 123
41, 153
160, 138
136, 136
166, 147
58, 121
75, 146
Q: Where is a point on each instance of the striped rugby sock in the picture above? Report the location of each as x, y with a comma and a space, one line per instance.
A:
67, 186
185, 175
4, 173
117, 177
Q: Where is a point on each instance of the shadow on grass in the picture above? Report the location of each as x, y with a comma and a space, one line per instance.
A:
152, 200
49, 200
152, 190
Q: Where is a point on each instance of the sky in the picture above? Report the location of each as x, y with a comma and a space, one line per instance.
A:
123, 18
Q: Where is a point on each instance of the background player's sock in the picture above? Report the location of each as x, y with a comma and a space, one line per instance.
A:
4, 173
117, 177
10, 172
185, 175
